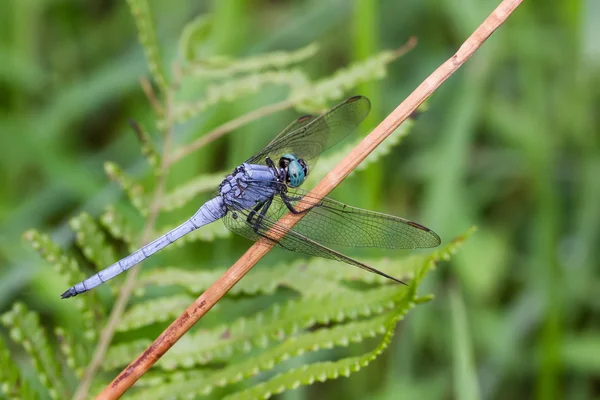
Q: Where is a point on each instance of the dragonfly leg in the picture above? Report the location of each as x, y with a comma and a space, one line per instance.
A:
287, 200
271, 165
254, 211
264, 210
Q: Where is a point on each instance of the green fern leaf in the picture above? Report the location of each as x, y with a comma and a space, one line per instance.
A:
276, 323
311, 373
153, 311
180, 196
92, 241
25, 329
140, 10
258, 281
118, 226
324, 338
90, 309
323, 371
12, 383
194, 35
227, 68
148, 149
235, 88
316, 96
134, 191
121, 354
299, 275
76, 354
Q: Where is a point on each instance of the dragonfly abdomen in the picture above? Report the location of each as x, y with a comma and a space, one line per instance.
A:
210, 211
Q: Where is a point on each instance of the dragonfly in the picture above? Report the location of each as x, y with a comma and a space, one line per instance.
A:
260, 191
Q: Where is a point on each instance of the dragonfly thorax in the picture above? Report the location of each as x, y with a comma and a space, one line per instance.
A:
295, 169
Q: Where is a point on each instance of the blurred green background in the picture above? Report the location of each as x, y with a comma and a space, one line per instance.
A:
510, 143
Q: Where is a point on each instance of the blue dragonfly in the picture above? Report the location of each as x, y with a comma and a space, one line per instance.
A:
258, 192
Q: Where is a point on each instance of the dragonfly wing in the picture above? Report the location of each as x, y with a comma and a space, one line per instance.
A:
336, 223
238, 221
294, 126
319, 134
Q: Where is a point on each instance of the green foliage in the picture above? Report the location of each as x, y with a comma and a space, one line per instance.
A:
317, 95
193, 36
148, 149
225, 68
12, 383
265, 342
118, 226
183, 194
91, 240
313, 306
510, 143
152, 311
90, 311
134, 191
25, 329
147, 36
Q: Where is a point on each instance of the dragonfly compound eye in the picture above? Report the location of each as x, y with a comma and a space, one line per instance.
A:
295, 174
304, 166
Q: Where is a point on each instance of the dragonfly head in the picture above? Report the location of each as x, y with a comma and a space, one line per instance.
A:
295, 169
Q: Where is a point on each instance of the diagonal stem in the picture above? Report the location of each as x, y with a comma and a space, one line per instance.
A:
210, 297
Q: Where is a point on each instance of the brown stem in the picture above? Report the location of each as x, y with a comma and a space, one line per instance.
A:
209, 298
406, 47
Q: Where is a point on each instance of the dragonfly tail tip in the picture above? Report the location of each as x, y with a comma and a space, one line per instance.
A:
71, 292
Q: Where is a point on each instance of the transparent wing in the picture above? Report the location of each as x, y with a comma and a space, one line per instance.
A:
336, 223
240, 222
297, 124
317, 135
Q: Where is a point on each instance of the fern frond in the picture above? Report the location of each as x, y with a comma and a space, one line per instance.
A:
25, 329
140, 10
261, 62
310, 373
324, 338
304, 274
152, 311
193, 36
323, 371
12, 383
299, 275
90, 309
185, 193
235, 88
258, 281
276, 323
317, 95
92, 241
148, 149
118, 226
122, 353
75, 353
134, 191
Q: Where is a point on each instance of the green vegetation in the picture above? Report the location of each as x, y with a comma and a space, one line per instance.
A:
510, 143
